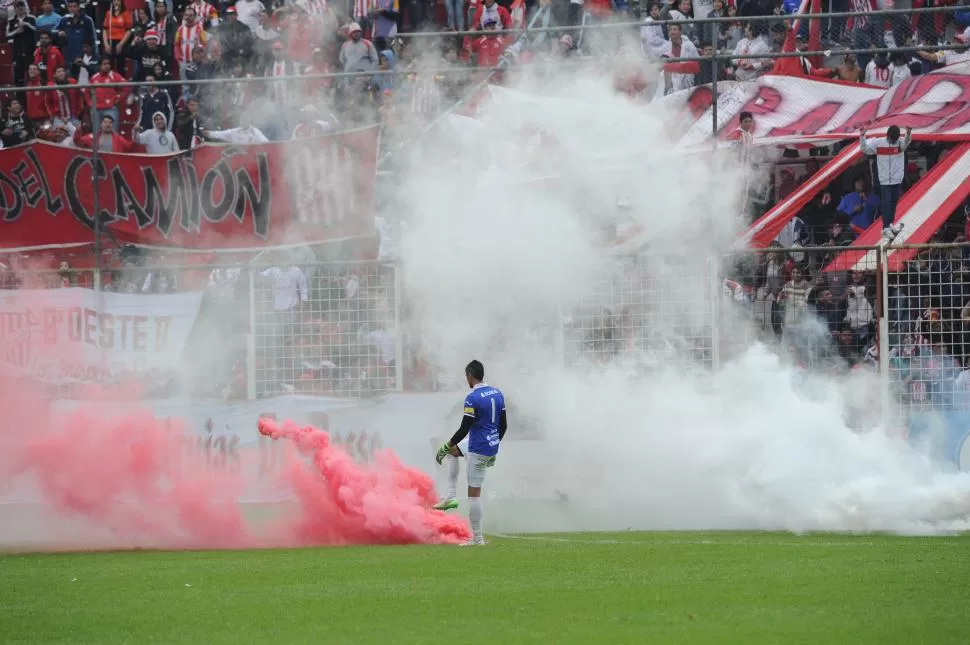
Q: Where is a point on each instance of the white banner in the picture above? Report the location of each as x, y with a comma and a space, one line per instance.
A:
82, 336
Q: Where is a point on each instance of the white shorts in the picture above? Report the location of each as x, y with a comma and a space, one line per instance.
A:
476, 469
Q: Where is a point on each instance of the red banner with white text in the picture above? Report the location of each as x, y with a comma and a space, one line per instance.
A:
214, 197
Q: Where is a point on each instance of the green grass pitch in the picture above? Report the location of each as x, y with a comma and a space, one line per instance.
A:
669, 588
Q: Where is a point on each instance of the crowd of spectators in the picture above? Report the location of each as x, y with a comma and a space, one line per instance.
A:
747, 37
76, 44
330, 331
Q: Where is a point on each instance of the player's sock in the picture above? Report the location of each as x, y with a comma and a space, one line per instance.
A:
475, 514
452, 491
449, 502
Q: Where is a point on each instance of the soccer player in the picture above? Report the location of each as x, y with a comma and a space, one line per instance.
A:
484, 423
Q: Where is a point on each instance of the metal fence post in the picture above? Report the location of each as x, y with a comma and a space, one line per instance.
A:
882, 296
714, 61
251, 339
398, 332
714, 272
96, 176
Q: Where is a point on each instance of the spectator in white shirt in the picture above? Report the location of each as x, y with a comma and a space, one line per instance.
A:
290, 287
159, 140
248, 133
652, 34
751, 68
677, 76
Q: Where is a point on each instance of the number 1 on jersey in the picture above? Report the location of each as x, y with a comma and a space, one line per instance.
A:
493, 410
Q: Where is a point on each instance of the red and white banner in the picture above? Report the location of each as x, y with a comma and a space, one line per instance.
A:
214, 197
787, 108
80, 336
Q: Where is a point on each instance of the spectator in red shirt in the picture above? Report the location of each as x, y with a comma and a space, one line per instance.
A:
108, 100
47, 57
106, 140
118, 22
36, 105
488, 48
491, 11
64, 105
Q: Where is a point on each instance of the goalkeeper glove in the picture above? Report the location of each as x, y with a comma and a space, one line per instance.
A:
442, 451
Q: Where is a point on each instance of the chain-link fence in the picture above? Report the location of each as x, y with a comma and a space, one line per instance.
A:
326, 330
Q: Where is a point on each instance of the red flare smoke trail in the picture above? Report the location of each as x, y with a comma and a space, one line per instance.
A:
130, 475
345, 503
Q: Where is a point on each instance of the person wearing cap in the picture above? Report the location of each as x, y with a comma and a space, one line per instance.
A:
165, 25
319, 65
488, 48
358, 54
235, 39
147, 52
494, 12
280, 66
200, 69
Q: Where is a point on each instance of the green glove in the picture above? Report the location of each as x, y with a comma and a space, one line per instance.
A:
442, 452
490, 461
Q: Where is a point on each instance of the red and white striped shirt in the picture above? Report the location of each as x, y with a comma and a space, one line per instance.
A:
317, 10
362, 8
186, 38
205, 13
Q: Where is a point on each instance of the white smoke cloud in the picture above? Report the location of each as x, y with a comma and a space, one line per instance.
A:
489, 256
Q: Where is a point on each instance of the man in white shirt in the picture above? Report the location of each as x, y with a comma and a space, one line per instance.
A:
159, 140
248, 133
751, 68
890, 153
290, 287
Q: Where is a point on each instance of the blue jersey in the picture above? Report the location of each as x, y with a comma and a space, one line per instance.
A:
484, 404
